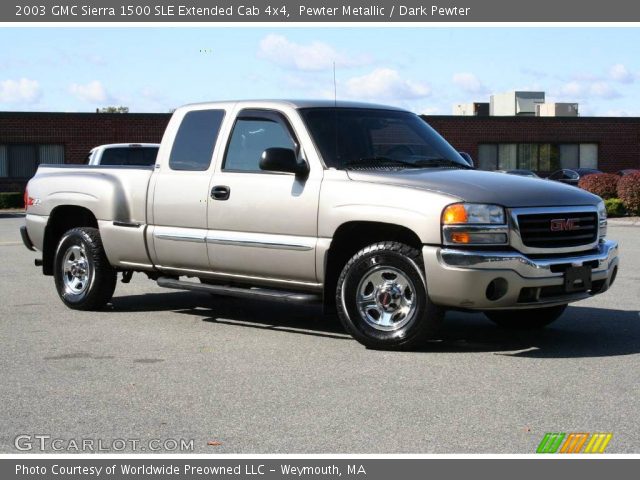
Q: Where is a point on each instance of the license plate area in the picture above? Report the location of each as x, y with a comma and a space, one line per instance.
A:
577, 279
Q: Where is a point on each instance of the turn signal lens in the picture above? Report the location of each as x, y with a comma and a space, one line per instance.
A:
455, 213
458, 237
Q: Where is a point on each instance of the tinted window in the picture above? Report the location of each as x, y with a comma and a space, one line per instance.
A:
196, 138
346, 136
129, 156
251, 137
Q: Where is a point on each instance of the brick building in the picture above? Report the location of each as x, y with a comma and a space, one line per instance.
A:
538, 143
544, 144
28, 139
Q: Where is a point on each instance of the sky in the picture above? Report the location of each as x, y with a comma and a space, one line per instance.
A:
426, 70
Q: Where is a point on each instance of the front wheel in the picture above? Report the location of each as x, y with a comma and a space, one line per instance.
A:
84, 278
382, 298
531, 319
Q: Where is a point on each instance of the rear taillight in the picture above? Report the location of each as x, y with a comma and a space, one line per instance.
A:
28, 201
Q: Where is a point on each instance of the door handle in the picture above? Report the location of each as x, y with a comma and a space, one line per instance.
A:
220, 192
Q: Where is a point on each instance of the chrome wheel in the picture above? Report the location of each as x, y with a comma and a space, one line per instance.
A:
386, 298
76, 270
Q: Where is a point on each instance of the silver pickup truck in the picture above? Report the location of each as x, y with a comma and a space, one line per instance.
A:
362, 208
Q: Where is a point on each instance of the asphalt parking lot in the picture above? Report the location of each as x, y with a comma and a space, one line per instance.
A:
257, 377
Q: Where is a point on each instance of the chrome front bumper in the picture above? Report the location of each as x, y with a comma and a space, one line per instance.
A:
461, 278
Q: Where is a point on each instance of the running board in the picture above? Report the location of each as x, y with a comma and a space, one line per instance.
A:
248, 292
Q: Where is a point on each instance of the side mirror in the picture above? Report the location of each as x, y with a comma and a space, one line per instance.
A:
467, 158
278, 159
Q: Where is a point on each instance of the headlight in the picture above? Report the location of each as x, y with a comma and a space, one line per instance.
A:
474, 224
473, 213
602, 219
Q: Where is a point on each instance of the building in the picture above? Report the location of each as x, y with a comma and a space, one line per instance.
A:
515, 103
544, 144
475, 109
28, 139
557, 110
538, 143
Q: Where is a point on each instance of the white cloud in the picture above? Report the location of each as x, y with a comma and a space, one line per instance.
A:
603, 90
92, 92
620, 73
313, 56
572, 88
616, 113
19, 91
386, 84
469, 82
430, 110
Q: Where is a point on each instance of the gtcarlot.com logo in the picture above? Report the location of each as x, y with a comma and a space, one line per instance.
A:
44, 443
574, 443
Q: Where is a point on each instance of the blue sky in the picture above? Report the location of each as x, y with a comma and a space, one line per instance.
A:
424, 69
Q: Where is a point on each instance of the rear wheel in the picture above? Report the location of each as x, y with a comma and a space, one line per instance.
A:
84, 278
382, 298
531, 319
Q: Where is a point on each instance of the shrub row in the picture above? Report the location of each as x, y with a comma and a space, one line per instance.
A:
629, 192
11, 200
615, 207
613, 187
604, 185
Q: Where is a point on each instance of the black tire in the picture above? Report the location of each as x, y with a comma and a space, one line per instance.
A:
387, 258
93, 289
531, 319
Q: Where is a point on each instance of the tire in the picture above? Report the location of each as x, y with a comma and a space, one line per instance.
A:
532, 319
84, 278
382, 299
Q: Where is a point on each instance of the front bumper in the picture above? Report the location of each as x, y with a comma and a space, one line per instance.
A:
463, 278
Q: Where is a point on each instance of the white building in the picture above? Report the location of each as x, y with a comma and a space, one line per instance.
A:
515, 103
557, 110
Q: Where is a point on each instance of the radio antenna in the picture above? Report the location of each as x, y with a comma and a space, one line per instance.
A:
335, 86
335, 111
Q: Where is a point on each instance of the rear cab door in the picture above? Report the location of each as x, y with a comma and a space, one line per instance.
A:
179, 191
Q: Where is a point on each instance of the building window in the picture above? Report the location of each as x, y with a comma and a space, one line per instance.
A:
22, 160
488, 156
541, 157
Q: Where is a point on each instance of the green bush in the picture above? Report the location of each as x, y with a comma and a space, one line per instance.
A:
11, 200
629, 192
615, 207
604, 185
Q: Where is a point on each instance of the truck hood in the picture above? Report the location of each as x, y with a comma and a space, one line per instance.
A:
483, 187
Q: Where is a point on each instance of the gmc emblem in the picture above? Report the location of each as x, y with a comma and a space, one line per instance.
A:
564, 224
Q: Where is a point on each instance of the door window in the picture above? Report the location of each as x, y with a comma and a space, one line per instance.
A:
251, 136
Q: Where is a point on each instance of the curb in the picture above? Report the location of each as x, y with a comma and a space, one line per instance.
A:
624, 221
12, 213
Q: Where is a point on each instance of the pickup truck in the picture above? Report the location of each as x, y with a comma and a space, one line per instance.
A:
362, 208
123, 154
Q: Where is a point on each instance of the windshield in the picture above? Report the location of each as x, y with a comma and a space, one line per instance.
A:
359, 138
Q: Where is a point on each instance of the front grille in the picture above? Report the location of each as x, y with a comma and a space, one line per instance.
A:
558, 230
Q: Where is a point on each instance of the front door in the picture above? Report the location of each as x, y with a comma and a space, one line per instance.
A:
263, 225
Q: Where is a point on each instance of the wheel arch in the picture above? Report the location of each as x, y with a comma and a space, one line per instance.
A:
352, 236
62, 219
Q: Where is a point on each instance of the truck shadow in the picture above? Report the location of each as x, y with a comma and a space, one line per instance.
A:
580, 332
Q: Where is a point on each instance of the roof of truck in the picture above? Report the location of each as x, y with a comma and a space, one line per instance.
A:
298, 104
